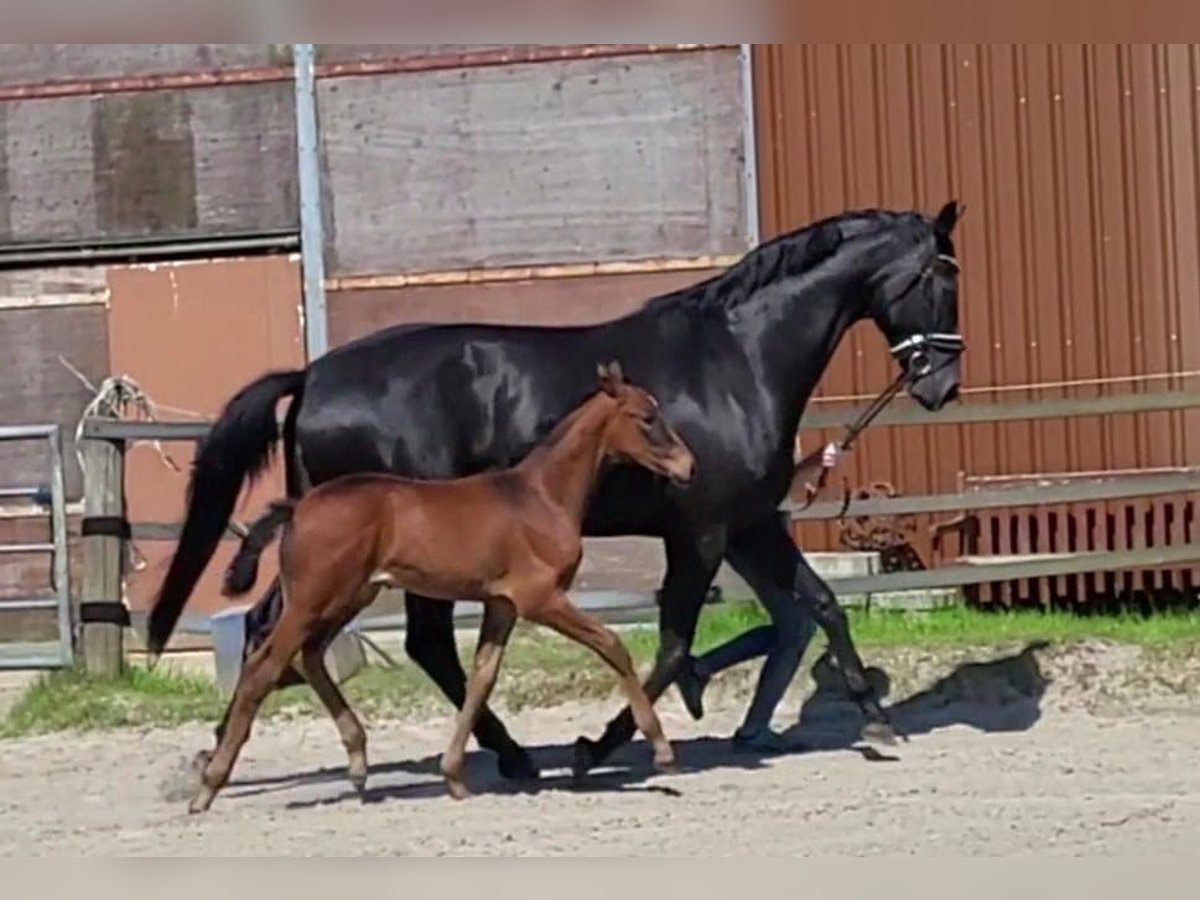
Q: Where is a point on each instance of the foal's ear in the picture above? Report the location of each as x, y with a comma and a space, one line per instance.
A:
611, 377
948, 217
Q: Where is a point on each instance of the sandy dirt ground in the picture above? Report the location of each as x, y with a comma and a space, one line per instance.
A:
1033, 753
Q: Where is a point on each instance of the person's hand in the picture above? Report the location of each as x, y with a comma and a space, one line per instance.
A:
830, 455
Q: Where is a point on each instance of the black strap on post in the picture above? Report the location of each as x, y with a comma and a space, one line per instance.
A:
106, 526
104, 612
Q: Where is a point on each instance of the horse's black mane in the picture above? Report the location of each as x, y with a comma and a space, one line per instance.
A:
775, 259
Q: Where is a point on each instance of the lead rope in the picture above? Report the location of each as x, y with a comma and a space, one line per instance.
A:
853, 430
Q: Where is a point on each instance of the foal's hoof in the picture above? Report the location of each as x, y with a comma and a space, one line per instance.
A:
518, 765
585, 758
202, 801
457, 788
358, 780
664, 761
880, 733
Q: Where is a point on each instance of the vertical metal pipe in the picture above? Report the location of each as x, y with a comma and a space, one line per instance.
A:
312, 235
58, 531
749, 145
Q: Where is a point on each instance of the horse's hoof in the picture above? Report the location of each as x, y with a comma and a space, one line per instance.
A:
518, 765
585, 756
458, 790
691, 691
880, 733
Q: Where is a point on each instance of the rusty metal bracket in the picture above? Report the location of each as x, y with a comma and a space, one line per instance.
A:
889, 536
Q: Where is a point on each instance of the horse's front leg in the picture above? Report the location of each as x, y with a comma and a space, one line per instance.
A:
765, 556
813, 590
692, 561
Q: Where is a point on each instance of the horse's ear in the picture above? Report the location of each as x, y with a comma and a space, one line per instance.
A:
948, 217
611, 377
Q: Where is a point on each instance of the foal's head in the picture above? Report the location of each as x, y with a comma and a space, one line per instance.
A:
638, 433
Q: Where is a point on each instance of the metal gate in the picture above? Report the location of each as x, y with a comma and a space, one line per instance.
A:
56, 597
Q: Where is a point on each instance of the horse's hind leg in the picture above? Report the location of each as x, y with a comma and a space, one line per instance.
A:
354, 738
259, 676
559, 613
499, 616
429, 642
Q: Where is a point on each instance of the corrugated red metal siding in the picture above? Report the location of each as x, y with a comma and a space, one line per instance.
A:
1079, 166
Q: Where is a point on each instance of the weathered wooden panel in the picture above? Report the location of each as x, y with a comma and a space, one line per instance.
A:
22, 64
245, 156
162, 163
33, 286
551, 301
39, 389
191, 335
623, 158
47, 155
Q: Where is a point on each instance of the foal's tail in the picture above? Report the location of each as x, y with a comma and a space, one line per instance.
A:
243, 571
237, 449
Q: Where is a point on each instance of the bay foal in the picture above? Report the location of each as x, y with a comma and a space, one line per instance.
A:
509, 538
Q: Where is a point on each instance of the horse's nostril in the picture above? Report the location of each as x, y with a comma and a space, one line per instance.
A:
952, 394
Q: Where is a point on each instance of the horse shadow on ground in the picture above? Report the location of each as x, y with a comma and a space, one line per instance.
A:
1002, 695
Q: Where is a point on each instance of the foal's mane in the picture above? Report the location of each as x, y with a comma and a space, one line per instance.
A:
791, 253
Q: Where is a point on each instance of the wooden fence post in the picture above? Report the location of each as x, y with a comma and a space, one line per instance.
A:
102, 612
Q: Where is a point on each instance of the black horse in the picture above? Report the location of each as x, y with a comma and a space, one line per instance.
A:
733, 361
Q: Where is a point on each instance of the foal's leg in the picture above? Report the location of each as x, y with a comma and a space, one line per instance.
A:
354, 738
692, 561
259, 675
311, 664
260, 619
565, 618
429, 642
499, 616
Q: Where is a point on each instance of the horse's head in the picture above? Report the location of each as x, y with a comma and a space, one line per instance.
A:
914, 301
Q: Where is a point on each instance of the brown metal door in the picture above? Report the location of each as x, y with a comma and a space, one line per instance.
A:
191, 334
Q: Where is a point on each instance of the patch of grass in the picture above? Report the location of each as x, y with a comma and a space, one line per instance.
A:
541, 669
966, 627
71, 699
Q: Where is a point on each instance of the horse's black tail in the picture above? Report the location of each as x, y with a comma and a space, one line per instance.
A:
237, 449
243, 570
